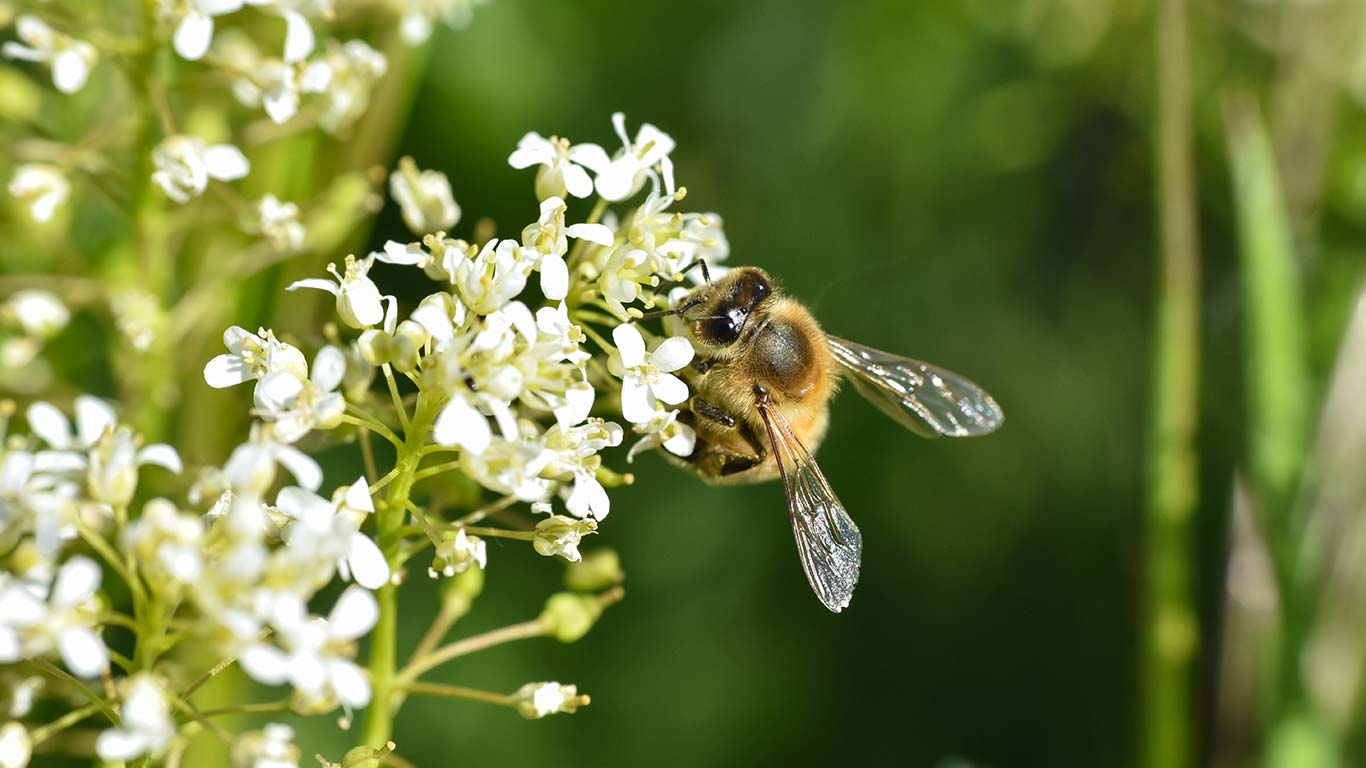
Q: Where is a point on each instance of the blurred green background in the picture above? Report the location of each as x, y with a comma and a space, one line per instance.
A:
967, 182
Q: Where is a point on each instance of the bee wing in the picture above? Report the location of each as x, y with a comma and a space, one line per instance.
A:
924, 398
828, 542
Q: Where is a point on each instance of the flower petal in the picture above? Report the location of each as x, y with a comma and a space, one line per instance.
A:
636, 403
674, 353
463, 425
314, 282
354, 614
49, 424
298, 37
118, 744
226, 371
305, 470
93, 417
69, 71
328, 368
352, 688
554, 277
226, 162
590, 156
367, 563
630, 345
593, 233
162, 455
193, 35
264, 664
76, 582
576, 181
669, 389
83, 652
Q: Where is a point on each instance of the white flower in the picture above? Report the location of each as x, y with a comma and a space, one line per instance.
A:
456, 552
575, 451
112, 474
147, 727
646, 380
313, 652
560, 535
194, 27
69, 58
15, 747
664, 429
624, 174
536, 700
549, 237
38, 313
98, 445
330, 530
251, 467
493, 278
512, 466
358, 299
558, 172
36, 620
253, 356
627, 269
270, 747
42, 187
424, 198
279, 222
355, 68
167, 544
184, 164
418, 15
297, 406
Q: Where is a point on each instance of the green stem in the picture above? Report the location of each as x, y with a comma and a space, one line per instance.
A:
460, 692
43, 733
379, 718
445, 653
1172, 627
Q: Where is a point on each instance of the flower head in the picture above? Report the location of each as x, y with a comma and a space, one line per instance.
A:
70, 59
424, 198
623, 175
184, 164
147, 727
358, 299
42, 187
536, 700
648, 379
557, 171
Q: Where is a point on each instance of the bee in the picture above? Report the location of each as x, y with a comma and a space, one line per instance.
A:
762, 381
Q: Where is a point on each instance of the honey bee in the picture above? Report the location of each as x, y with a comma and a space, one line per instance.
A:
762, 380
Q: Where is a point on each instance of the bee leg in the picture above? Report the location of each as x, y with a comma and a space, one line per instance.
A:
714, 460
711, 412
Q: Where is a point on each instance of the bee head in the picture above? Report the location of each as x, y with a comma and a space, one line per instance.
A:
717, 313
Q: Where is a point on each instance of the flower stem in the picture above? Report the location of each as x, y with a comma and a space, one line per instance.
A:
445, 653
379, 718
1171, 632
459, 692
56, 672
42, 733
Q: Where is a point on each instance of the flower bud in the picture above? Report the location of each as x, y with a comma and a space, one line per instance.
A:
375, 347
403, 353
560, 535
415, 331
598, 569
15, 746
536, 700
113, 474
568, 616
456, 553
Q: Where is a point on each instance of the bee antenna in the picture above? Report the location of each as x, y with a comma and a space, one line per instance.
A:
699, 262
665, 312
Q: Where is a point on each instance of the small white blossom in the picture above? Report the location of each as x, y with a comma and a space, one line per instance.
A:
194, 25
36, 620
424, 198
549, 237
296, 406
15, 746
184, 164
557, 171
70, 59
575, 457
456, 552
623, 175
355, 69
418, 15
493, 278
253, 356
314, 653
39, 313
330, 531
279, 222
270, 747
537, 700
664, 429
251, 467
147, 727
41, 187
168, 545
647, 380
358, 299
560, 535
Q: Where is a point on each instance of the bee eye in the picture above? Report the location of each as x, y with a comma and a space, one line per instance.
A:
761, 289
720, 330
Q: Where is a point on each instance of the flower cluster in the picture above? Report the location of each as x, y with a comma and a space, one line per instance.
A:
497, 401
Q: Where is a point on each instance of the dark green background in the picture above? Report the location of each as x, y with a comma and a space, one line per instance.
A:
964, 182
